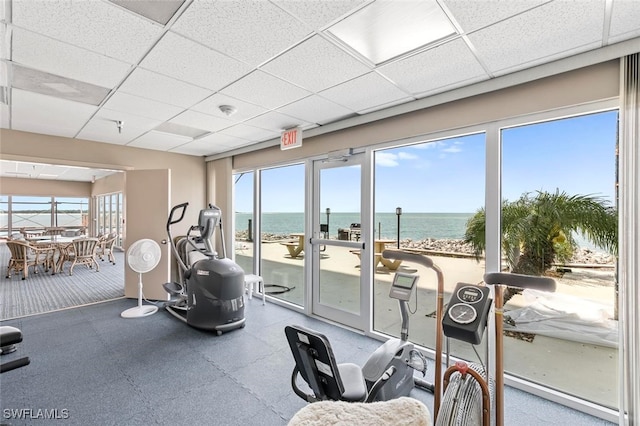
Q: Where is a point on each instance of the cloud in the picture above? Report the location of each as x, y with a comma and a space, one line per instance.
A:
386, 159
389, 159
452, 149
402, 155
445, 146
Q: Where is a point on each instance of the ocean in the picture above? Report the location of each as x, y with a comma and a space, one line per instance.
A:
416, 226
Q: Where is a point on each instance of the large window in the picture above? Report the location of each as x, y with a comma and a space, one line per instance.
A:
559, 219
244, 221
424, 195
430, 196
71, 212
281, 221
109, 216
29, 212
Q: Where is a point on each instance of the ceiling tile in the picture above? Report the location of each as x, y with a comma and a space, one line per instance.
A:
441, 68
244, 110
194, 63
366, 92
252, 30
54, 57
132, 104
316, 64
98, 26
316, 109
263, 89
249, 133
159, 141
199, 120
33, 112
151, 85
625, 19
210, 145
276, 122
4, 74
319, 13
540, 34
4, 116
102, 127
473, 14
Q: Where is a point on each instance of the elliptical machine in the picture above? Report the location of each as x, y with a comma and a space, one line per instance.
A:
387, 374
210, 291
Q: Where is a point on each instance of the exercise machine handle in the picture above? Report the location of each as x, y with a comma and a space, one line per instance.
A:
520, 281
182, 206
409, 257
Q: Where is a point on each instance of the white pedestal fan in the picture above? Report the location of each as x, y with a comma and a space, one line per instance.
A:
143, 256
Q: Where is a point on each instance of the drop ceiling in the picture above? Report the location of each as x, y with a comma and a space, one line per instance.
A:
163, 68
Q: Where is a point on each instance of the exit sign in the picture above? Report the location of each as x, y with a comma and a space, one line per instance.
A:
291, 138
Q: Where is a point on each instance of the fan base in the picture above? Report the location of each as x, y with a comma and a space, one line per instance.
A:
139, 311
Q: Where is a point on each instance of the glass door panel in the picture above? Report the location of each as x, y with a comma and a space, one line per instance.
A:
336, 245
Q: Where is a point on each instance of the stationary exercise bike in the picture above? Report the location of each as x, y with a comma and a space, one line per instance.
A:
210, 291
467, 394
387, 374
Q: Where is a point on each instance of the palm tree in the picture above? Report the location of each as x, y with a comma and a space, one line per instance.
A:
539, 228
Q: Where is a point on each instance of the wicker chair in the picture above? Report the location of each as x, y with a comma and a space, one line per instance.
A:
82, 251
21, 258
105, 247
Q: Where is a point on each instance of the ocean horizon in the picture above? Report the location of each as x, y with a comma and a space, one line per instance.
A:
416, 226
413, 226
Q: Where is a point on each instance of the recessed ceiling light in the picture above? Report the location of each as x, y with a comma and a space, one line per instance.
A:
56, 86
160, 11
61, 87
386, 29
178, 129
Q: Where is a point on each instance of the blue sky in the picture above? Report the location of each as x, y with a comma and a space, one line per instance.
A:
575, 155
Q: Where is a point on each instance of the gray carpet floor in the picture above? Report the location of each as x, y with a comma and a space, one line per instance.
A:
42, 292
95, 368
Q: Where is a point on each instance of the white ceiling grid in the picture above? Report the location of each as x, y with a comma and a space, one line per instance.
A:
275, 61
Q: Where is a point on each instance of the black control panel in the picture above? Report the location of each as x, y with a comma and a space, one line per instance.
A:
466, 314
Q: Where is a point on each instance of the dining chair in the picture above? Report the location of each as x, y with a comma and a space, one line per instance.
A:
82, 251
44, 255
105, 247
21, 258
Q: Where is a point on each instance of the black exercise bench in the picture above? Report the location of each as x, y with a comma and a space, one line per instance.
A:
9, 338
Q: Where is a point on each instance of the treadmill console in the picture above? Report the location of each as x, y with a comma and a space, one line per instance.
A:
402, 286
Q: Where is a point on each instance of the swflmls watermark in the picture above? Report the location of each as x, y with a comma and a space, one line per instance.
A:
35, 413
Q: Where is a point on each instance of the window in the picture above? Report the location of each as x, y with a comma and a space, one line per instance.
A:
244, 221
281, 215
72, 212
437, 186
561, 172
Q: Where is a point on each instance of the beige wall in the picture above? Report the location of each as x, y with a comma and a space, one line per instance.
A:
108, 184
597, 82
188, 172
39, 187
220, 179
